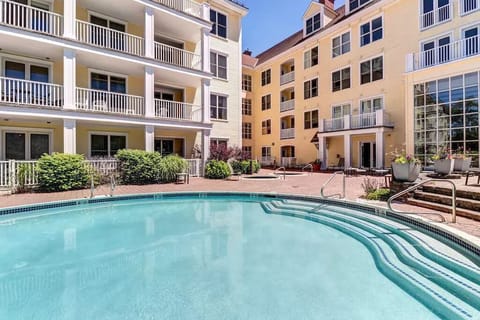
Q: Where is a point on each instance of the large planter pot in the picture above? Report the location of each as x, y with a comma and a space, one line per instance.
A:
444, 166
462, 164
405, 171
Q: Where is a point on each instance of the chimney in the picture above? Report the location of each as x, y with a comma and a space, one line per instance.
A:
247, 52
328, 3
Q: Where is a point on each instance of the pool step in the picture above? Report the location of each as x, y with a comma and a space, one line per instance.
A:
408, 255
465, 207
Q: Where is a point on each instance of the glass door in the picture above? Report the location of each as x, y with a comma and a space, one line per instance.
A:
471, 37
368, 155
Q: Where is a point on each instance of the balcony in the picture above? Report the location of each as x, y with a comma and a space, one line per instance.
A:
187, 6
29, 18
454, 51
287, 105
467, 6
287, 133
287, 78
378, 118
24, 92
436, 17
166, 109
171, 55
267, 161
109, 102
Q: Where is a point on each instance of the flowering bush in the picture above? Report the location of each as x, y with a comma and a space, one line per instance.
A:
461, 153
402, 157
442, 154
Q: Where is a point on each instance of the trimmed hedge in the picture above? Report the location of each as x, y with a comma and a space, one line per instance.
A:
62, 172
244, 166
215, 169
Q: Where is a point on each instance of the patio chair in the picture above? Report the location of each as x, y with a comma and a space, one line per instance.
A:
340, 165
234, 173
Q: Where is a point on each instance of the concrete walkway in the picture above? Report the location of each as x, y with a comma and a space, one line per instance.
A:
309, 184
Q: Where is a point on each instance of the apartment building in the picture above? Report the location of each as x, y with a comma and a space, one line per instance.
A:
348, 87
248, 63
93, 77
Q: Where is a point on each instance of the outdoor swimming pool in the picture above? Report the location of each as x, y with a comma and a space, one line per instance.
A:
208, 256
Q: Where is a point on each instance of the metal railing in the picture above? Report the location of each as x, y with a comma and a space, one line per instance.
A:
187, 6
103, 37
418, 185
177, 110
30, 18
287, 77
109, 102
310, 166
284, 172
105, 167
453, 51
287, 105
195, 167
287, 133
339, 195
333, 124
25, 92
363, 120
178, 57
467, 6
437, 16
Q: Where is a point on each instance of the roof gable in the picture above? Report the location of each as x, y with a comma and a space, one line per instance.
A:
312, 9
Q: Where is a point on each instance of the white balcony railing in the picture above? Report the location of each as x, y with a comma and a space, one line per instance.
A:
12, 171
178, 57
177, 110
364, 120
195, 167
110, 39
287, 105
267, 161
437, 16
453, 51
334, 124
467, 6
287, 78
287, 133
288, 162
360, 121
24, 92
29, 18
109, 102
187, 6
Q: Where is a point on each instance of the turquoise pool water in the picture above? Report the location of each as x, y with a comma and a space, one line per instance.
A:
193, 258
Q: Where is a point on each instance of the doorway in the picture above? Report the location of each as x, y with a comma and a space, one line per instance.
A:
368, 155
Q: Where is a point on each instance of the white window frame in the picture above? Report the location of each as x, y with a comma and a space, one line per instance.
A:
226, 107
347, 4
266, 122
381, 96
28, 132
461, 12
269, 105
341, 105
340, 36
341, 79
249, 105
109, 74
311, 119
216, 19
269, 70
312, 17
435, 39
370, 33
173, 138
217, 54
219, 139
318, 88
248, 80
244, 133
105, 133
269, 151
435, 9
308, 53
27, 62
371, 71
108, 18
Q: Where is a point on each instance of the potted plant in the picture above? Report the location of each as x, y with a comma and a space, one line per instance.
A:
462, 160
316, 165
405, 167
443, 162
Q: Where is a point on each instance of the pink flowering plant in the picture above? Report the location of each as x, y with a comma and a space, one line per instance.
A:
443, 154
401, 157
461, 153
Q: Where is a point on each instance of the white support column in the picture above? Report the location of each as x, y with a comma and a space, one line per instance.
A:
206, 11
1, 11
410, 62
380, 117
205, 146
206, 101
347, 119
149, 33
149, 92
380, 144
69, 19
205, 34
69, 136
149, 138
69, 78
347, 145
322, 150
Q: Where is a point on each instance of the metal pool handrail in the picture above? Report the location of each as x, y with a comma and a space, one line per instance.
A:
113, 184
308, 166
284, 171
418, 185
339, 195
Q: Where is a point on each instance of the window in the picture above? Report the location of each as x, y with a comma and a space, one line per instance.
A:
38, 93
218, 107
310, 58
310, 89
106, 145
434, 12
355, 4
340, 111
310, 119
219, 23
371, 70
167, 146
312, 24
106, 82
218, 65
371, 105
341, 44
246, 130
247, 82
469, 5
19, 17
266, 153
471, 36
247, 152
371, 31
266, 102
113, 39
246, 107
341, 79
25, 145
219, 142
266, 127
266, 77
435, 51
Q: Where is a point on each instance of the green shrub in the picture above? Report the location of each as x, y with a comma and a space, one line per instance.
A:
62, 172
244, 166
170, 166
139, 167
381, 194
215, 169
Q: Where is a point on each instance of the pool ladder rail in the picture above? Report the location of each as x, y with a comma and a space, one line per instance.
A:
113, 185
339, 195
284, 172
309, 166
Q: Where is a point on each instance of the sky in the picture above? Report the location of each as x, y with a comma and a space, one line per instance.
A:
271, 21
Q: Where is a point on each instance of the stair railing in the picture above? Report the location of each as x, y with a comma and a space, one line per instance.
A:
308, 166
418, 185
339, 195
284, 172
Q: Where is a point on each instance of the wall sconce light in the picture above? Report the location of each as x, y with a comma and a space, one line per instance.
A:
273, 143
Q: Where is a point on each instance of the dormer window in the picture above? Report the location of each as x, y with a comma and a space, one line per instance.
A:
312, 24
355, 4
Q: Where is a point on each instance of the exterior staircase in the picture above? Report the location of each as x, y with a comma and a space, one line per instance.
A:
440, 199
